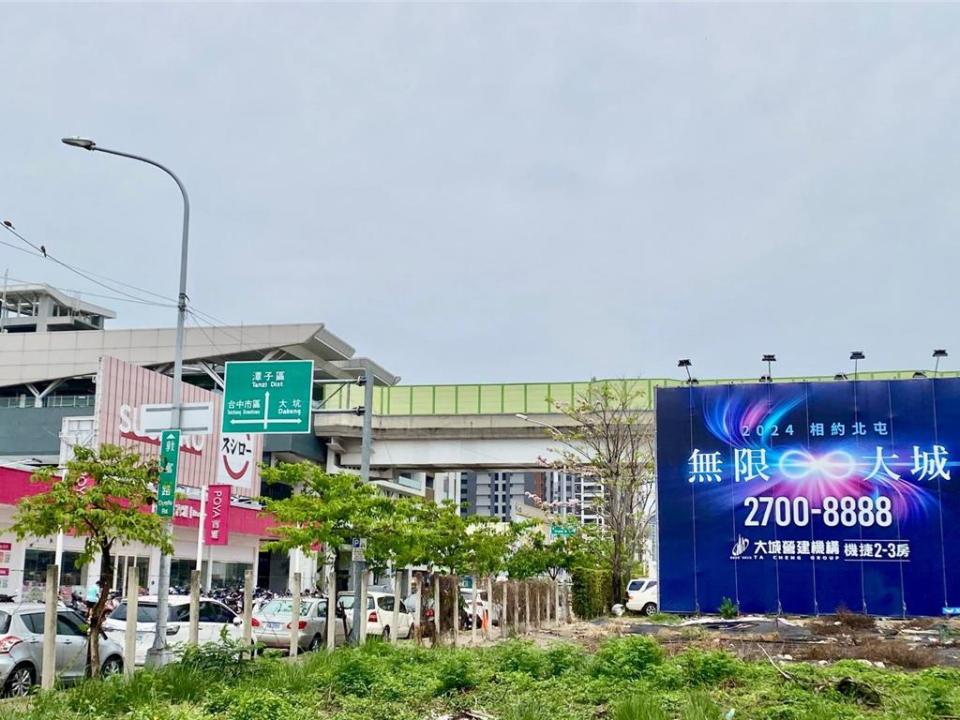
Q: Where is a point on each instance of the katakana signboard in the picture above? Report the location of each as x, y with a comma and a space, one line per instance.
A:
167, 480
268, 397
236, 461
804, 497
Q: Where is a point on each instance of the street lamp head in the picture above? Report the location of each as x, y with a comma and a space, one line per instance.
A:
83, 143
521, 416
684, 363
857, 355
768, 358
939, 353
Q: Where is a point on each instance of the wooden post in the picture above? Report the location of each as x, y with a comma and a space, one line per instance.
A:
49, 671
504, 612
516, 609
488, 625
332, 618
526, 607
436, 609
194, 637
556, 598
455, 606
419, 612
248, 609
364, 613
473, 611
130, 632
295, 616
395, 635
536, 596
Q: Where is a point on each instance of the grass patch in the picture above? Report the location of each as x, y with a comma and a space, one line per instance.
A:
628, 678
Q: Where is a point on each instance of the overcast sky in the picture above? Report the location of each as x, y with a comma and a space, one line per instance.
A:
507, 193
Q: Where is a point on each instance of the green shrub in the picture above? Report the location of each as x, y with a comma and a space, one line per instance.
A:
638, 707
526, 711
166, 712
666, 676
520, 656
355, 673
708, 668
257, 703
564, 657
700, 707
728, 609
227, 657
456, 672
627, 657
592, 592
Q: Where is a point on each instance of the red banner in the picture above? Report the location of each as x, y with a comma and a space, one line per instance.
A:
216, 526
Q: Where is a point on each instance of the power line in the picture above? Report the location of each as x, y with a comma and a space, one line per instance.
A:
43, 251
197, 320
77, 293
40, 251
20, 249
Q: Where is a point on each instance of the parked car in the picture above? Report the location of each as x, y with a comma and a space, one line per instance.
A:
21, 648
214, 618
642, 596
483, 606
380, 615
271, 624
465, 616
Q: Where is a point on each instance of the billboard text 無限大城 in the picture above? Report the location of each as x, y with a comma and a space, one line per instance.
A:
805, 497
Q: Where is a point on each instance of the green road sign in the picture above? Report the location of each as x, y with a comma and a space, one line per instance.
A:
167, 482
267, 397
562, 530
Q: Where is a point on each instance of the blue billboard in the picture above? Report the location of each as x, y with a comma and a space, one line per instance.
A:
804, 497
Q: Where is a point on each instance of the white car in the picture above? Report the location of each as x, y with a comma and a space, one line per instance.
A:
214, 617
642, 596
380, 615
483, 605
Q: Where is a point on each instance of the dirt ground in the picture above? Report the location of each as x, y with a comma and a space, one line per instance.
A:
913, 643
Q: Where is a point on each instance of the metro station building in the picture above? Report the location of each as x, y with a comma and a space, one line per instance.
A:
66, 380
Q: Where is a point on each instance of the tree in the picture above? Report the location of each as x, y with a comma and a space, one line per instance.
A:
611, 439
103, 497
396, 539
527, 560
329, 509
485, 550
444, 534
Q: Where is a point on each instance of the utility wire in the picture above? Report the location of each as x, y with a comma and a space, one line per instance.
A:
40, 251
76, 293
197, 319
20, 249
43, 252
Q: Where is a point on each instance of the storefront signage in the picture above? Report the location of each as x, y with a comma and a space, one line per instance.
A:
235, 459
217, 520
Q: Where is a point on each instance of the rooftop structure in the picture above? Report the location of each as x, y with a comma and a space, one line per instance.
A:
41, 308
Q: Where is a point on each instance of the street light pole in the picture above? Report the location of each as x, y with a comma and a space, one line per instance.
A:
159, 654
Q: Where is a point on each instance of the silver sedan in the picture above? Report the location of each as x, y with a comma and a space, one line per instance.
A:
21, 647
271, 624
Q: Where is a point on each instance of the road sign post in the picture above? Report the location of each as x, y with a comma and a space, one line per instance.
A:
167, 481
268, 397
